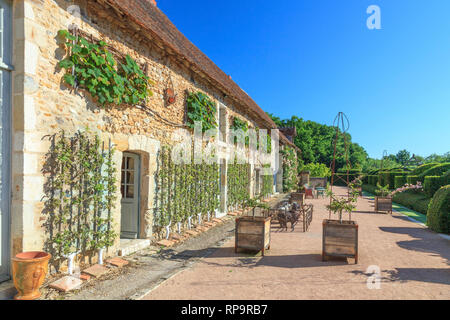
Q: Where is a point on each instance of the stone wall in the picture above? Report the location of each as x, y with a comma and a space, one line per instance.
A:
43, 105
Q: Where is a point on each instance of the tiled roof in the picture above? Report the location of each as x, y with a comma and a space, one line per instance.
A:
152, 20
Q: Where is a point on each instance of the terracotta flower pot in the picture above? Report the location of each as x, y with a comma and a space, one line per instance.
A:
29, 272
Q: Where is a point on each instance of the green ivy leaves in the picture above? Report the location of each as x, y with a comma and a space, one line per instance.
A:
201, 108
97, 71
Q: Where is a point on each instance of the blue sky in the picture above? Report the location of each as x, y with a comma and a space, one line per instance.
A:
314, 58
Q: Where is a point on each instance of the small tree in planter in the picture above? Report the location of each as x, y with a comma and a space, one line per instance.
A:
253, 232
340, 237
356, 185
383, 200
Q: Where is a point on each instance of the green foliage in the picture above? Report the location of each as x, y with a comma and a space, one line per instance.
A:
340, 179
436, 170
400, 181
438, 215
340, 205
315, 141
382, 191
80, 194
238, 124
403, 157
201, 108
412, 179
421, 169
96, 71
432, 184
290, 171
411, 199
238, 183
387, 178
372, 180
184, 190
318, 170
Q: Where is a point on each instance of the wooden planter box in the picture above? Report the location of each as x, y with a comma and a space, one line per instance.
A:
252, 233
383, 204
340, 239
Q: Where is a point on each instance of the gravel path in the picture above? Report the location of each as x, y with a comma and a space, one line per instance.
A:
413, 263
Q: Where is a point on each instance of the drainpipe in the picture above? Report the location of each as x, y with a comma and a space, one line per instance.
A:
209, 216
189, 222
179, 227
199, 219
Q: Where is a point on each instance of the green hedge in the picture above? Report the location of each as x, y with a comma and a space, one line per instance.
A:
421, 169
417, 201
365, 179
437, 170
372, 180
339, 182
400, 181
432, 184
387, 178
412, 179
369, 188
438, 216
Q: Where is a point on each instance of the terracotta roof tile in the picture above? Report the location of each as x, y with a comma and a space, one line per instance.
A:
153, 20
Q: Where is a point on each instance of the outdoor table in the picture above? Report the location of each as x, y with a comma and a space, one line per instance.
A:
321, 191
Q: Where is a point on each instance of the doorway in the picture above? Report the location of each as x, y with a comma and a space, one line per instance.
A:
5, 122
130, 189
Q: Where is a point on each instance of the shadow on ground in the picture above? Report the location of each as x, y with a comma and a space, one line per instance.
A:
425, 241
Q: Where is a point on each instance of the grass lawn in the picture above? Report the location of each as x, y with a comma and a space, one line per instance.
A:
418, 199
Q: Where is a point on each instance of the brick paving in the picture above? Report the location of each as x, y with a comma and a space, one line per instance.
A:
414, 264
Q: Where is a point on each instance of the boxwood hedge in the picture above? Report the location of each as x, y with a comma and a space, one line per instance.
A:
438, 215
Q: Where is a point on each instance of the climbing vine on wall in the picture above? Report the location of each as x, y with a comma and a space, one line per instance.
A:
290, 174
80, 194
201, 108
238, 124
91, 66
184, 190
238, 183
267, 184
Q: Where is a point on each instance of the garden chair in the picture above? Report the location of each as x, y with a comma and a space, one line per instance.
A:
309, 193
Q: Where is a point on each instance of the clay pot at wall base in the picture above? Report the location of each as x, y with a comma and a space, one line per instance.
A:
29, 272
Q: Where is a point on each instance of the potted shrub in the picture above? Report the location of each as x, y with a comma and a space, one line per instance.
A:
253, 232
383, 199
356, 185
340, 237
29, 272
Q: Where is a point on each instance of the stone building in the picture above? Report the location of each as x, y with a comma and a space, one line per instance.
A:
37, 103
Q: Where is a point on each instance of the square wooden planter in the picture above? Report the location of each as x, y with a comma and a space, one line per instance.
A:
340, 239
383, 204
252, 233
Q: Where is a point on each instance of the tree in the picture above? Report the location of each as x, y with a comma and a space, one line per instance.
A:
316, 142
403, 157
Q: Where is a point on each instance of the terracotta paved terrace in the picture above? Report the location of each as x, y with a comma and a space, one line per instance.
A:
414, 264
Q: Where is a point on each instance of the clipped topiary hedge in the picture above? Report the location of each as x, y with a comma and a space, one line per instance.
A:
342, 181
400, 181
372, 180
412, 179
437, 170
421, 169
387, 178
383, 178
432, 184
417, 201
438, 215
